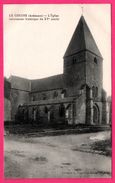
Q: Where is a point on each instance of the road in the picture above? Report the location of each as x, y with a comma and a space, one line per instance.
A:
54, 157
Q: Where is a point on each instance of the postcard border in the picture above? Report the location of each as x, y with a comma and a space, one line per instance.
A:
62, 180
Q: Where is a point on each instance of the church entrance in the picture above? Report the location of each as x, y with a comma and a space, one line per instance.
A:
96, 114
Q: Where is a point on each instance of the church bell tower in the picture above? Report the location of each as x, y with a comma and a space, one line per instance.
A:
83, 60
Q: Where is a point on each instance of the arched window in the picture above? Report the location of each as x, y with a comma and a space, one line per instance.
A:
37, 114
96, 114
63, 93
26, 113
55, 94
68, 113
45, 109
22, 112
33, 98
32, 110
94, 91
62, 110
95, 60
74, 60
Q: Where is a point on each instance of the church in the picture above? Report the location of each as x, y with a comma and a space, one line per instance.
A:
74, 97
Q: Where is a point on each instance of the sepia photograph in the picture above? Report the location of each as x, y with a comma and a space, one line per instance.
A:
57, 91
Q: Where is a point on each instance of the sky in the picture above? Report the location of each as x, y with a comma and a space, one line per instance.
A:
35, 48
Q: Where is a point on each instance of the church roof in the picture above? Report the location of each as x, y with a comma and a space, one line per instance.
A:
49, 83
20, 83
36, 85
82, 39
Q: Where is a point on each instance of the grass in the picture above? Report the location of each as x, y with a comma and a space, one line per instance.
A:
103, 146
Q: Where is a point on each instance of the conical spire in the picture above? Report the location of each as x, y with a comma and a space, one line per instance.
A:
82, 40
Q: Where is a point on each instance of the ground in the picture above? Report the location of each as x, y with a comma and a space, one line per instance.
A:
62, 156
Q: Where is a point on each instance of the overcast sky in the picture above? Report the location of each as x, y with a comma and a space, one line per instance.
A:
35, 49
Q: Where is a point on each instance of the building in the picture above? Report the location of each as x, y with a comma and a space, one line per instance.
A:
7, 101
74, 97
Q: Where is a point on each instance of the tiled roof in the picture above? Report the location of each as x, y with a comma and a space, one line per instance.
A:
20, 83
49, 83
81, 40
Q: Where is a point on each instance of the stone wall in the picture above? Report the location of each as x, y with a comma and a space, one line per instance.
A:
7, 88
55, 113
80, 114
20, 88
18, 97
7, 102
20, 83
74, 70
7, 110
45, 95
94, 72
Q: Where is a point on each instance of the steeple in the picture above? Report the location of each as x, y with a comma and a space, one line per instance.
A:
82, 40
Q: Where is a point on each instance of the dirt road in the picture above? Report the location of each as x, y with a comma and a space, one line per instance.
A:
54, 157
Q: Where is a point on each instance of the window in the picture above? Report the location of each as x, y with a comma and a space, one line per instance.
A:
33, 98
63, 93
74, 60
55, 95
44, 97
46, 109
94, 91
61, 110
95, 60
